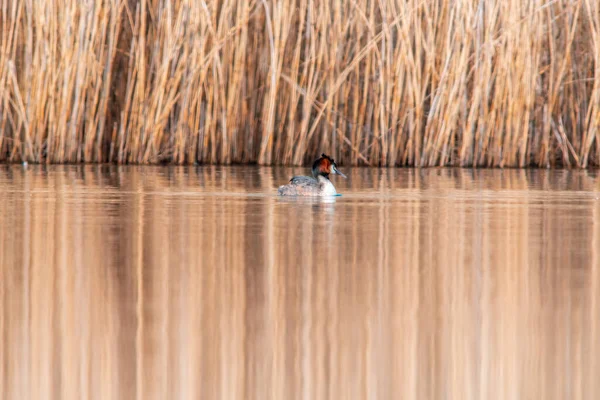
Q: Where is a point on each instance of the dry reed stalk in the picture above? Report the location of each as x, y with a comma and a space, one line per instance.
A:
386, 82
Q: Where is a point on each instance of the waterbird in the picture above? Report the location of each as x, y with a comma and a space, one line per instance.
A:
316, 185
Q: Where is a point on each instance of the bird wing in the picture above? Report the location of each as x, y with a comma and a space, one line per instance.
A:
303, 180
301, 185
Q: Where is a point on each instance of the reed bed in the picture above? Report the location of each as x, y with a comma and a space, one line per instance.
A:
503, 83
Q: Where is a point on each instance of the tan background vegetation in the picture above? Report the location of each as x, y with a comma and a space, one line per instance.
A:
385, 82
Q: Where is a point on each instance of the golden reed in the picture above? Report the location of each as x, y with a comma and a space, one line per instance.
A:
388, 82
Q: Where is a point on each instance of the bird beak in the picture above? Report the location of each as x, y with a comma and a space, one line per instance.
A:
336, 171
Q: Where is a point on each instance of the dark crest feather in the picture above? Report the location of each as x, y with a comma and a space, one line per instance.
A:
323, 155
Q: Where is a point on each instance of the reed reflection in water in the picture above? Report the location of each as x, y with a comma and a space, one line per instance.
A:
198, 282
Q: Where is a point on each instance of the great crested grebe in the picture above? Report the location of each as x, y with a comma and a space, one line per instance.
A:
317, 185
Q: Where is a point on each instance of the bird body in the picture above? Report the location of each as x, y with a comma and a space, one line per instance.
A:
317, 185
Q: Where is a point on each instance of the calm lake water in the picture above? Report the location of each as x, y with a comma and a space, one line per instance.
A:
200, 283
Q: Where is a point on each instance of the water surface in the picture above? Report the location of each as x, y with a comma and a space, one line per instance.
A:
200, 283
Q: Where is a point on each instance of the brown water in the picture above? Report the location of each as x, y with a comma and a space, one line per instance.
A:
199, 283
